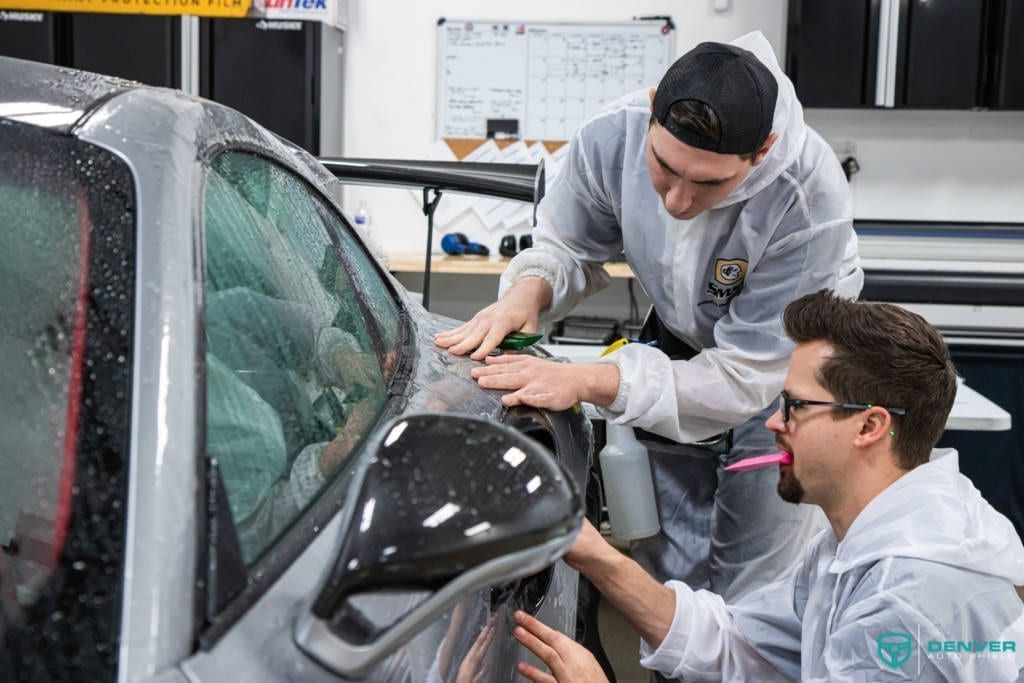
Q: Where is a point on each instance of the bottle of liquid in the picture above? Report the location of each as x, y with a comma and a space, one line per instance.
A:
628, 487
362, 217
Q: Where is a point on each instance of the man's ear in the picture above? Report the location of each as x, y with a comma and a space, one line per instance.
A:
765, 148
875, 425
651, 93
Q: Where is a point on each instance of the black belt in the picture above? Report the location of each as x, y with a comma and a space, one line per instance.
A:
720, 444
676, 349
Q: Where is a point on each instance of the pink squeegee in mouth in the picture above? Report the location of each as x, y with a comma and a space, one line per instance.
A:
760, 462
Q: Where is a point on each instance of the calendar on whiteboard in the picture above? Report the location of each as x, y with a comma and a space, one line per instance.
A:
541, 80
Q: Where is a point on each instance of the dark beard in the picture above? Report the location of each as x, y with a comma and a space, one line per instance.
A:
790, 489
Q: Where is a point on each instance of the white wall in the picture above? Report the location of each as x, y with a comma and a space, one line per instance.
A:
932, 165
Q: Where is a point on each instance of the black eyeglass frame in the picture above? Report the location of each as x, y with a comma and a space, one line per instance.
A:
786, 403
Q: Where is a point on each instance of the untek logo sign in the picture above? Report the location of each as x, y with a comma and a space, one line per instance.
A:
296, 4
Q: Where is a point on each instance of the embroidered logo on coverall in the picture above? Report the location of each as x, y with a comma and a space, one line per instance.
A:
728, 282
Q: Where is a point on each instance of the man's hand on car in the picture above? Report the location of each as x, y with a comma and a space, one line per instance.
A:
568, 661
517, 311
543, 383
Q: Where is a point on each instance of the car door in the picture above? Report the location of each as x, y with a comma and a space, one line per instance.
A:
300, 345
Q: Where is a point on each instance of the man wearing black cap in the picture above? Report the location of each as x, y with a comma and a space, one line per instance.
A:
727, 207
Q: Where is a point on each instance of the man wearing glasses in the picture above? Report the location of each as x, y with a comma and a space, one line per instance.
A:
914, 579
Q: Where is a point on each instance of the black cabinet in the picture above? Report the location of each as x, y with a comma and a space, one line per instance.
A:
268, 70
35, 36
1008, 61
137, 47
940, 54
948, 54
994, 461
829, 48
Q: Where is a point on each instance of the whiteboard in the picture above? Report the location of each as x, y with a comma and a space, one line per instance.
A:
550, 77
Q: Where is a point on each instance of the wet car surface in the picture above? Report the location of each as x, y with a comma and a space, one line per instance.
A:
199, 355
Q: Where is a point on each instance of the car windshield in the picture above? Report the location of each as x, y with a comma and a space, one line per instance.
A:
66, 221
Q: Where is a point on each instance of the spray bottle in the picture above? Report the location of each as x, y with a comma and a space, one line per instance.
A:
628, 486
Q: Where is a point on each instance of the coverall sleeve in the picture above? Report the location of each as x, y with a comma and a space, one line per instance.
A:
577, 232
704, 642
726, 384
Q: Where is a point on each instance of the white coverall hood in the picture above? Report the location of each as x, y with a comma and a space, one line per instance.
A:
788, 124
934, 513
928, 558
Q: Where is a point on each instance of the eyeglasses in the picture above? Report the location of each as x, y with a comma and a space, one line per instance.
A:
786, 402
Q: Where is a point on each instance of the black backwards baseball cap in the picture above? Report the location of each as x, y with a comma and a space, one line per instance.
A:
734, 84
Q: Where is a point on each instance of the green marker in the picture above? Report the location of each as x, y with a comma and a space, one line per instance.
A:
517, 341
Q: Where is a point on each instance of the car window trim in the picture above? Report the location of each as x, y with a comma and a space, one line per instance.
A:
376, 334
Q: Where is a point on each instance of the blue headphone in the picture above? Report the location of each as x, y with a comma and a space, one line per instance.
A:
456, 243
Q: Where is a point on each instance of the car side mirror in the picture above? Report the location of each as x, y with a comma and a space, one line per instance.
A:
443, 506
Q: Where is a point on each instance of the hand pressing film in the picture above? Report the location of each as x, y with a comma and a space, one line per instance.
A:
567, 660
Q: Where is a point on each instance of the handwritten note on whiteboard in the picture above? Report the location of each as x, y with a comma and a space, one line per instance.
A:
548, 77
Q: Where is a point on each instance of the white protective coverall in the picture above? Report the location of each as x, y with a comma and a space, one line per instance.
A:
928, 561
718, 282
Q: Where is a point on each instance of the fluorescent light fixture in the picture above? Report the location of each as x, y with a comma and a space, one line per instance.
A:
396, 433
514, 457
477, 529
443, 514
39, 114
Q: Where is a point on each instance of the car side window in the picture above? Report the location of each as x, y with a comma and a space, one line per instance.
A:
67, 264
297, 359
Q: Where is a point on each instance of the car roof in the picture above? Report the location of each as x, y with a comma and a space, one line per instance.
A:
52, 96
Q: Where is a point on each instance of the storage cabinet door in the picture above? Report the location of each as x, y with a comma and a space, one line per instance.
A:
268, 70
940, 54
29, 35
136, 47
831, 51
1010, 58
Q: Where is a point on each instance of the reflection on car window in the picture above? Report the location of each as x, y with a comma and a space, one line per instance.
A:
66, 221
296, 364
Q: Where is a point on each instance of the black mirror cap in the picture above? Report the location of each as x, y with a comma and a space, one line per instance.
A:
441, 495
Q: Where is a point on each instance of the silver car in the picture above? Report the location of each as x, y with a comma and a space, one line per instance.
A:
230, 450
